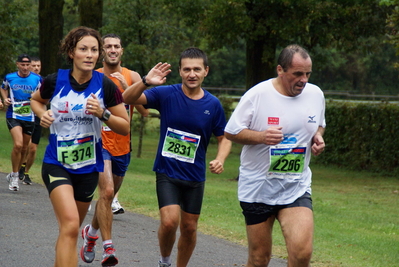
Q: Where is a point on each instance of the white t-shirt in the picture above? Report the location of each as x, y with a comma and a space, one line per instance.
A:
277, 175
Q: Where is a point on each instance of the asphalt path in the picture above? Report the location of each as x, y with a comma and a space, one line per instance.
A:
28, 231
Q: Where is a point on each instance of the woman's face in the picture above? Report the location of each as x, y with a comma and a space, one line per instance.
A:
86, 54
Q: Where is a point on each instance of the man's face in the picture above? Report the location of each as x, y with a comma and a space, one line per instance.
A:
23, 67
295, 77
113, 51
36, 66
193, 72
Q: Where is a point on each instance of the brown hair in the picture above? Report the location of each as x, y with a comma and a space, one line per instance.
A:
68, 44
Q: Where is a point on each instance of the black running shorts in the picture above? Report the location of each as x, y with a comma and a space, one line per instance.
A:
27, 126
83, 185
255, 213
187, 194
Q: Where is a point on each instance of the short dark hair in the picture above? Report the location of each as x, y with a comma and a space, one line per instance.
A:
35, 58
194, 52
112, 35
68, 44
287, 54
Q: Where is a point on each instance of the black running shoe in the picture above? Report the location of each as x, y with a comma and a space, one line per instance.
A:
27, 180
22, 172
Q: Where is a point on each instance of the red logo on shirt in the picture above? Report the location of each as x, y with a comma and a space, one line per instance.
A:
273, 121
63, 107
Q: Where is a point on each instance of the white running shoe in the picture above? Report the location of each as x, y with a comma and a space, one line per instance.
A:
163, 264
116, 207
13, 182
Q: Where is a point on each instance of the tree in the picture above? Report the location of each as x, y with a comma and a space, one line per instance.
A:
15, 24
269, 25
50, 33
91, 13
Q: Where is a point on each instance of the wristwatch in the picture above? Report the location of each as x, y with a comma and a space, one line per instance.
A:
106, 115
144, 81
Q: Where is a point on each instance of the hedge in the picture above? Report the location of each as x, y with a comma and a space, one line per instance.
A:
362, 136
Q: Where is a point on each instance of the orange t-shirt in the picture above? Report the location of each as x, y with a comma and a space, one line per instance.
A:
117, 144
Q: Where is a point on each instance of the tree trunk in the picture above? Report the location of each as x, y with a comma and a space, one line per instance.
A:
141, 135
91, 13
51, 23
260, 58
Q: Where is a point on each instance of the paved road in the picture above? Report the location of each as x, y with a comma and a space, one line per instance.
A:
28, 230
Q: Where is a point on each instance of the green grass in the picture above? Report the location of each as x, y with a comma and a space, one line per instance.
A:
356, 213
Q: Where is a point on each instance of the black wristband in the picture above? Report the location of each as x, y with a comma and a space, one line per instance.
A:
144, 81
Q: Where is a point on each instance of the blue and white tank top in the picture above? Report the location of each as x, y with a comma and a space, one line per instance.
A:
75, 135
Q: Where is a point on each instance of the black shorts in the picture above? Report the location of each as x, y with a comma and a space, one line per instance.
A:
37, 131
187, 194
27, 126
255, 213
83, 185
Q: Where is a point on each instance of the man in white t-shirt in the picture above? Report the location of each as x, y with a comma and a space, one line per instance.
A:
280, 122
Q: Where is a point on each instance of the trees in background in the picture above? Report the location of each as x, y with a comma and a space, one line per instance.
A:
241, 37
17, 27
51, 25
267, 26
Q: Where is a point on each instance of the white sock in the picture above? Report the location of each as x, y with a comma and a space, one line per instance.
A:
15, 174
165, 259
106, 242
92, 231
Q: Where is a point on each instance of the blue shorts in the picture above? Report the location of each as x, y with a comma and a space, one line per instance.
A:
119, 163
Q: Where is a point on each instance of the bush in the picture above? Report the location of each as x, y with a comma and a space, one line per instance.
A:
362, 136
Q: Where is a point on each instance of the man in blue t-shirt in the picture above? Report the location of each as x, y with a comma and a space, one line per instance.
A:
16, 92
189, 117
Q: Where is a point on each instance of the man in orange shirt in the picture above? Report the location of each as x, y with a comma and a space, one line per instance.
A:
116, 153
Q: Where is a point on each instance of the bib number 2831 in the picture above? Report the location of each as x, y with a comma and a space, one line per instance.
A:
180, 145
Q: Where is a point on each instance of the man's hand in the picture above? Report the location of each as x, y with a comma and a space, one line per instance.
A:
120, 78
215, 166
273, 135
318, 144
157, 75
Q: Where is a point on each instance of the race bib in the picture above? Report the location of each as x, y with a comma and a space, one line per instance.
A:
286, 161
180, 145
22, 108
76, 152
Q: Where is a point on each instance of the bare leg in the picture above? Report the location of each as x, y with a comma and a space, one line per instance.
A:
188, 238
21, 142
170, 217
103, 216
31, 155
260, 243
69, 219
297, 226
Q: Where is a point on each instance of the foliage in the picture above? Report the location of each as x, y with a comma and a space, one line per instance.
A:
268, 25
356, 71
362, 136
91, 13
19, 33
148, 39
345, 38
